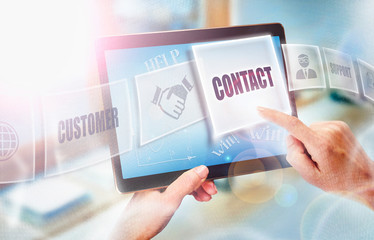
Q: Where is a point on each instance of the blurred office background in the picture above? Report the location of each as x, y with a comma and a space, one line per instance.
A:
48, 47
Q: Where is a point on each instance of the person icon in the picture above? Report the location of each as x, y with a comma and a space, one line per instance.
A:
305, 72
370, 79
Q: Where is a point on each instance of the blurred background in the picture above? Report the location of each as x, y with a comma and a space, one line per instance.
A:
49, 47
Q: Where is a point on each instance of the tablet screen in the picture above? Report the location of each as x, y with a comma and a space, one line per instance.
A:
170, 123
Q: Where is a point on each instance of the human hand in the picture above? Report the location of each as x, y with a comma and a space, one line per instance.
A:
327, 155
149, 212
172, 101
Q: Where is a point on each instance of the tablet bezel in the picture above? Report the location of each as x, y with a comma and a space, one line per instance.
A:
182, 37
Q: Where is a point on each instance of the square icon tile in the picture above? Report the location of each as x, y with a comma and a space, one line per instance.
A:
79, 130
367, 78
17, 139
168, 100
304, 66
236, 77
340, 70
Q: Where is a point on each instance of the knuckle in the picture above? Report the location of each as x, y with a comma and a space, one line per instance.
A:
335, 131
341, 126
329, 149
325, 146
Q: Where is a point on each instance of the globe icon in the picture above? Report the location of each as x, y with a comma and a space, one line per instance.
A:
8, 141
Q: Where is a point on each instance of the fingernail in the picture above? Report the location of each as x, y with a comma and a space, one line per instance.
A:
202, 171
261, 109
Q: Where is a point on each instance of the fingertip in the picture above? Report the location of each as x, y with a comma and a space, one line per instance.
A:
201, 197
206, 198
262, 110
210, 187
202, 171
186, 183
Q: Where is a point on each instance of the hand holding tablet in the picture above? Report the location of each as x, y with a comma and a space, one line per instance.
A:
150, 211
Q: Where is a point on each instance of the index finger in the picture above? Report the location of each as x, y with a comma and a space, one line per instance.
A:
292, 124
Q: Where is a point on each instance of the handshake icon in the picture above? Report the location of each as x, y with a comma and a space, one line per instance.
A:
172, 100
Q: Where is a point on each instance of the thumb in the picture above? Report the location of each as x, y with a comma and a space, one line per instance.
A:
186, 183
298, 157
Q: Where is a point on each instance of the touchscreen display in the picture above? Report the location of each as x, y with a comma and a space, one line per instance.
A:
169, 116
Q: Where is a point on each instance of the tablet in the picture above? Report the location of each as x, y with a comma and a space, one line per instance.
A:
171, 121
